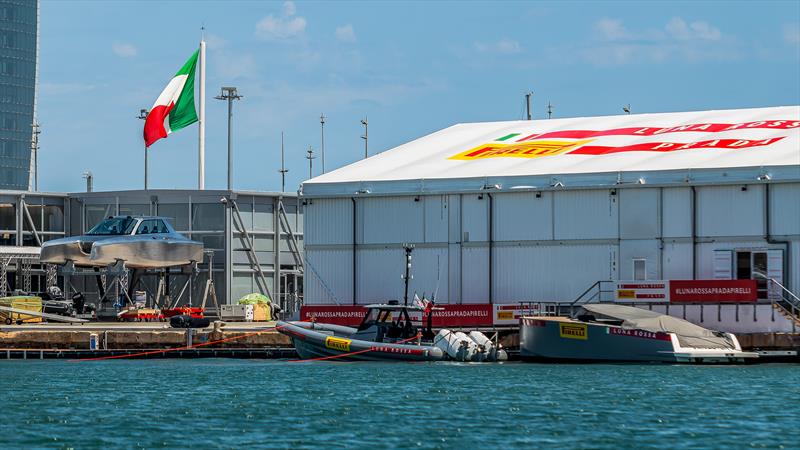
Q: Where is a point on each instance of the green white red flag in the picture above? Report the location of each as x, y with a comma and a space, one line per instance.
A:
174, 109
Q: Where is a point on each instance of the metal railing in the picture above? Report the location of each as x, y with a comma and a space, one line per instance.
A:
784, 299
599, 292
596, 293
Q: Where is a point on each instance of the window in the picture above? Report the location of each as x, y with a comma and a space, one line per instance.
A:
208, 217
639, 269
151, 226
8, 216
113, 226
177, 213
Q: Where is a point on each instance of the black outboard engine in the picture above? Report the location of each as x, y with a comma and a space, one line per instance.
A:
78, 302
184, 321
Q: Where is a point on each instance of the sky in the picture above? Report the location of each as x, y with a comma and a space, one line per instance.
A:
410, 67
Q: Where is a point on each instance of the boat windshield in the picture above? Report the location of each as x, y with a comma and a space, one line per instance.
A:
375, 316
113, 226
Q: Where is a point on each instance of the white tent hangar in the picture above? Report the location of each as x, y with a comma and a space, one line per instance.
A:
503, 212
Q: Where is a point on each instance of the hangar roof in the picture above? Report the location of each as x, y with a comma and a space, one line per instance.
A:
753, 145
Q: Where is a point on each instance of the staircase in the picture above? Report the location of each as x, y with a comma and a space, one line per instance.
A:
785, 302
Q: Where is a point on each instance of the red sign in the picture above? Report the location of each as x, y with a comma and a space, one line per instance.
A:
713, 291
464, 315
450, 316
337, 315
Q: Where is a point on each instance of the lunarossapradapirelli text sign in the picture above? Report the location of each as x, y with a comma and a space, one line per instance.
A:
713, 291
686, 291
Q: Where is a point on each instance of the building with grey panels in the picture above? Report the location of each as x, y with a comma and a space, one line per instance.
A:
241, 228
508, 212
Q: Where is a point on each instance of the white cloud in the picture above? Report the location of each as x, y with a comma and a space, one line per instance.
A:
346, 33
287, 26
615, 44
679, 29
610, 30
124, 50
791, 34
503, 46
289, 9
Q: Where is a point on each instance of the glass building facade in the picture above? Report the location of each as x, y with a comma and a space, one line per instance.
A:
18, 52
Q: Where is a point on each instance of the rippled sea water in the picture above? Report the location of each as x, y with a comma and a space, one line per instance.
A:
280, 404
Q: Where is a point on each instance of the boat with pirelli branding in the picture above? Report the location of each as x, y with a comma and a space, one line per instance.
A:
391, 332
616, 333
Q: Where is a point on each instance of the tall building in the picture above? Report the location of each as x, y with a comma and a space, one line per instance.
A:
19, 22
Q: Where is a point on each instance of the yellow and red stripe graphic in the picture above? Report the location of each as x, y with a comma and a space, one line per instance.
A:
556, 142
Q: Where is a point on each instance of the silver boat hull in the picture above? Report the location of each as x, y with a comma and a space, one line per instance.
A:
147, 252
147, 242
77, 249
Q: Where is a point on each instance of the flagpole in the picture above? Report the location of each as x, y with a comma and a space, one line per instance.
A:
201, 148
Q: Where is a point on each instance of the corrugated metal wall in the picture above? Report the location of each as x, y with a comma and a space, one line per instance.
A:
730, 211
548, 245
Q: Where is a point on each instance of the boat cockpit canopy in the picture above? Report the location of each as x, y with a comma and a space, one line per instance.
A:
113, 226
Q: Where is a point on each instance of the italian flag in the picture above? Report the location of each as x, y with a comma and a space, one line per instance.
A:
174, 108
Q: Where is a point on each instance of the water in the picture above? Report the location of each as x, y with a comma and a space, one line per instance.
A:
280, 404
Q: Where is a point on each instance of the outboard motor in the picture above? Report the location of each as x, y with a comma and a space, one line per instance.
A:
457, 345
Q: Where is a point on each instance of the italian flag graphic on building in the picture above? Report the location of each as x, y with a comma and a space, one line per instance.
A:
174, 108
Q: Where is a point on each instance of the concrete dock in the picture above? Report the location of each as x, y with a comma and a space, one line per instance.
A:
244, 339
234, 340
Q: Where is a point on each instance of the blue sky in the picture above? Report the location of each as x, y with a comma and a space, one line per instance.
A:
411, 67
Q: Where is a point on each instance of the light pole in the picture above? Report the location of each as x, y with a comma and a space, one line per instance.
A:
229, 93
322, 135
36, 132
89, 179
283, 168
310, 157
365, 137
627, 108
143, 115
549, 110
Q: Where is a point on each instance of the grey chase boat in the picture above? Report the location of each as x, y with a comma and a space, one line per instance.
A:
385, 333
388, 332
606, 332
141, 242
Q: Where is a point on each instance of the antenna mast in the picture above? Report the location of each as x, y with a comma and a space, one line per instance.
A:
528, 104
283, 168
408, 249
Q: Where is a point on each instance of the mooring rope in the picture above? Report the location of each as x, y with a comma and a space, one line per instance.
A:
175, 349
233, 338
